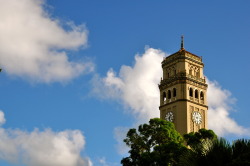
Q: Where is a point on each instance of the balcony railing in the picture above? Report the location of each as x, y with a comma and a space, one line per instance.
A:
190, 98
196, 78
181, 75
196, 100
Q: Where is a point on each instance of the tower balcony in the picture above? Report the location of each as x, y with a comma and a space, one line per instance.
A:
195, 78
169, 100
200, 101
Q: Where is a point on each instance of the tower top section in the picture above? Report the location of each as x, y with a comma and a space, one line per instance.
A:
181, 66
182, 55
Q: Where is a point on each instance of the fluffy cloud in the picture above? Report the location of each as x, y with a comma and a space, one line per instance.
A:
220, 103
32, 44
2, 119
40, 148
120, 134
136, 88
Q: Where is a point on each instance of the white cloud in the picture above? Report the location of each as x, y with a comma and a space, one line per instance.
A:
220, 102
103, 161
2, 119
120, 134
32, 44
136, 88
40, 148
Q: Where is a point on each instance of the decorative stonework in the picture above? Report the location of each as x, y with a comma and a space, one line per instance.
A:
183, 91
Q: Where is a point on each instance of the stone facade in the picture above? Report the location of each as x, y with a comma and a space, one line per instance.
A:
183, 92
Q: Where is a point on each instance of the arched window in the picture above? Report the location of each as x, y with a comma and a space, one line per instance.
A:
169, 94
191, 92
174, 92
196, 94
168, 74
164, 96
202, 95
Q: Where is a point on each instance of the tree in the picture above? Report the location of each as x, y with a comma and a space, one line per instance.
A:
202, 135
154, 144
241, 152
207, 150
159, 144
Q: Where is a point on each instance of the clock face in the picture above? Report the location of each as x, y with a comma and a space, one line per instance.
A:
170, 117
197, 118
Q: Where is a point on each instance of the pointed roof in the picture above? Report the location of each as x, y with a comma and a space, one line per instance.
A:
182, 53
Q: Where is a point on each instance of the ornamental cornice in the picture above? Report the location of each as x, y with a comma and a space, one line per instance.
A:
203, 105
182, 78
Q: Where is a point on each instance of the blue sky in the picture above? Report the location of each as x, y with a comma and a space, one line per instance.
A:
77, 74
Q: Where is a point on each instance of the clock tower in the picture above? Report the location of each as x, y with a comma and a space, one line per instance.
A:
183, 91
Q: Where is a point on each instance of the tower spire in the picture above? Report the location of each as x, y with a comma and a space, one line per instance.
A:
182, 42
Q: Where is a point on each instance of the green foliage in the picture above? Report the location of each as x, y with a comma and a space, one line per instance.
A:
217, 152
200, 136
154, 144
159, 144
241, 152
208, 153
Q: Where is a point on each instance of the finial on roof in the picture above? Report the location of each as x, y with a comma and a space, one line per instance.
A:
182, 42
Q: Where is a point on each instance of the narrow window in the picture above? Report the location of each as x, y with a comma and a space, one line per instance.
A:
174, 92
202, 95
164, 96
191, 92
190, 72
196, 94
197, 74
169, 94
